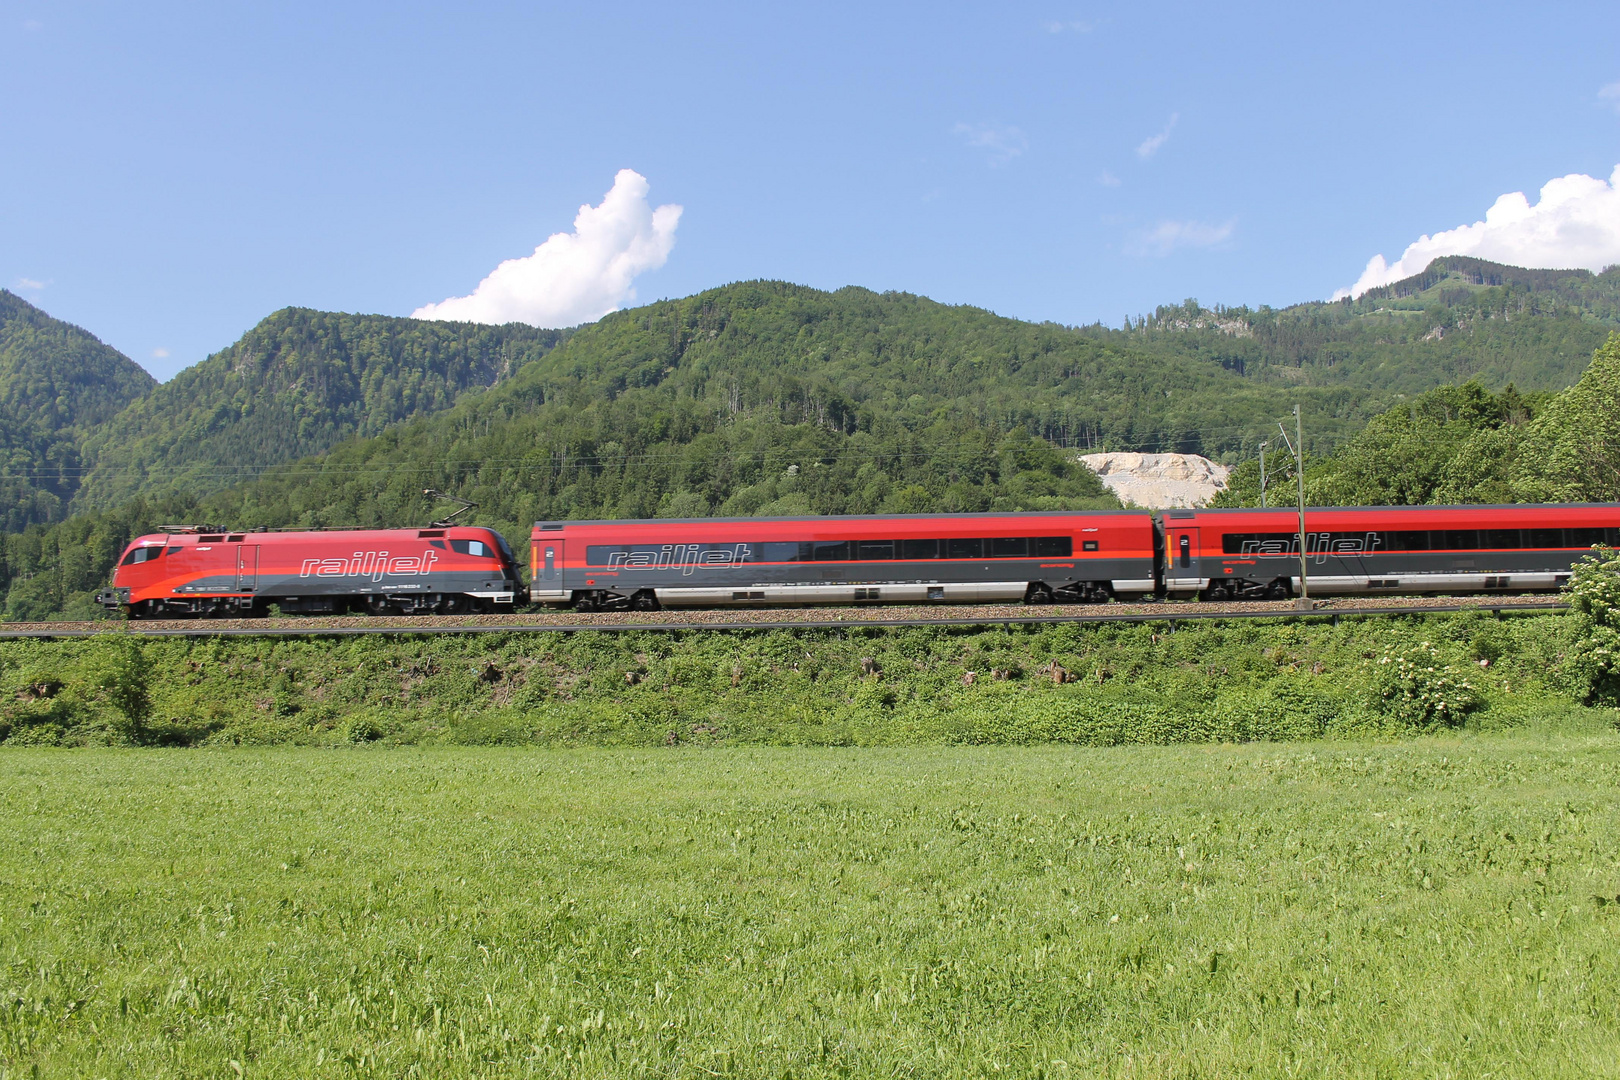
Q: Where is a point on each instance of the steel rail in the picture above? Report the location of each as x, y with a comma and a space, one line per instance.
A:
202, 629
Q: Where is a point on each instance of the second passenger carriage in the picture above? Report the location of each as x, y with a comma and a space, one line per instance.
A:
912, 558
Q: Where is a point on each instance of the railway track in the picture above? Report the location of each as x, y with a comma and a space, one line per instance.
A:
784, 619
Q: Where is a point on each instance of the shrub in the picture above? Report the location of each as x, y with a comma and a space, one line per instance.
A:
1415, 687
1592, 665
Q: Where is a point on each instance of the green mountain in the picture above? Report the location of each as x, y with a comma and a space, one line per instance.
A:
1460, 319
297, 384
57, 382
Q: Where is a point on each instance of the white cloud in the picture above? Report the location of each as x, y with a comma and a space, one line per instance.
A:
1611, 94
1002, 144
1168, 236
30, 283
1151, 144
575, 277
1108, 179
160, 353
1575, 225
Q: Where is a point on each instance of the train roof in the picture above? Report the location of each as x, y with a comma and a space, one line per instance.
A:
823, 519
1179, 514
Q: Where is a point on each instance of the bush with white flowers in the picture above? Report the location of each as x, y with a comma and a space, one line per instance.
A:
1414, 686
1592, 664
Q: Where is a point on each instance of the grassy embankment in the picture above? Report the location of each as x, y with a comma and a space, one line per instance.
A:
1436, 907
1096, 684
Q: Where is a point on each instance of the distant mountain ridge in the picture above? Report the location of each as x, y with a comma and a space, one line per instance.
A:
1459, 275
1460, 319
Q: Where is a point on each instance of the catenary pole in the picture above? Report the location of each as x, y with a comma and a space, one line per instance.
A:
1262, 474
1299, 474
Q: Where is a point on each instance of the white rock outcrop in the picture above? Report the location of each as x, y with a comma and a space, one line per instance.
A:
1158, 481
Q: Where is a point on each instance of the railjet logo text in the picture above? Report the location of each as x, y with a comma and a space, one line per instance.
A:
682, 557
371, 564
1318, 546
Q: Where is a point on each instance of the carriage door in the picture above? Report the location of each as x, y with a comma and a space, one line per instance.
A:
551, 558
247, 567
1181, 549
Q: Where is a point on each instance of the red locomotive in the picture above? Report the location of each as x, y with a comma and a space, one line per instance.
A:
196, 570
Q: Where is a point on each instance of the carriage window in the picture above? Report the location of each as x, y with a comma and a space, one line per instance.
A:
1498, 538
791, 551
829, 551
1009, 547
1584, 537
1456, 539
1057, 547
964, 549
874, 549
919, 549
1544, 538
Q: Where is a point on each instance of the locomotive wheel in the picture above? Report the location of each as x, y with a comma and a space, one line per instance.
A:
587, 602
645, 600
1279, 590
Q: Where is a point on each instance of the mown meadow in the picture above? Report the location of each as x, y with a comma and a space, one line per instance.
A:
1440, 906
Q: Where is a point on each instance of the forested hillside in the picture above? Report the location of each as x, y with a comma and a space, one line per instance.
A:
1460, 319
1464, 444
297, 384
56, 383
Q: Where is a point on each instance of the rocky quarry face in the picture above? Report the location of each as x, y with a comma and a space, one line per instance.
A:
1159, 481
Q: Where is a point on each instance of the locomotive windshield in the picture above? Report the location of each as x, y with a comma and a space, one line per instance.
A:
142, 554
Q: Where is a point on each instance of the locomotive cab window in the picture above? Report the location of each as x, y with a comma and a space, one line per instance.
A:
141, 554
470, 547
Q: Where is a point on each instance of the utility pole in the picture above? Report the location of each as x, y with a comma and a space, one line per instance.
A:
1299, 474
1262, 474
1297, 447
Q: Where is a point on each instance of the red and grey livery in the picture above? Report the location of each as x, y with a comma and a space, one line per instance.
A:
1252, 554
907, 558
910, 558
193, 570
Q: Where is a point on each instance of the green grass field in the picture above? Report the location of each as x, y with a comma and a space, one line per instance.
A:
1439, 907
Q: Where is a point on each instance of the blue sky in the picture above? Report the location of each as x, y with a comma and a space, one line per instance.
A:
174, 173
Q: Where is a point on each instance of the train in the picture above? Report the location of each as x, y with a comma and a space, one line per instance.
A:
1035, 558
